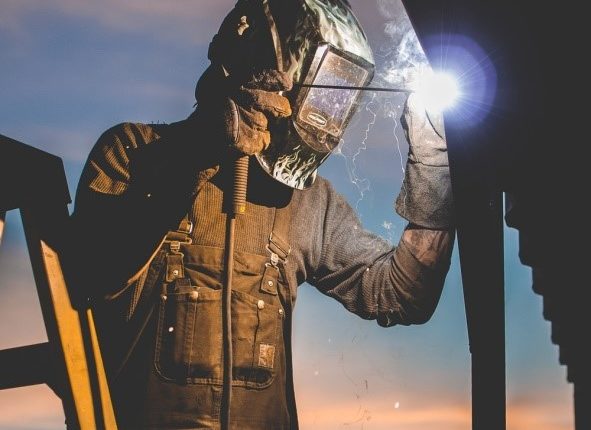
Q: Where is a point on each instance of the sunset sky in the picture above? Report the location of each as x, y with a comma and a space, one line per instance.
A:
70, 69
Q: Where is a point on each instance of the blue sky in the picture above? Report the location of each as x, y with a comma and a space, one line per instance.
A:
69, 69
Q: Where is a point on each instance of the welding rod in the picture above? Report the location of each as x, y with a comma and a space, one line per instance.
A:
345, 87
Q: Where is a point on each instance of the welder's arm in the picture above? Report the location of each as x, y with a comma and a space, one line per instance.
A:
136, 186
402, 285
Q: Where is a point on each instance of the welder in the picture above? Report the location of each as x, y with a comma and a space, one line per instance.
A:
152, 205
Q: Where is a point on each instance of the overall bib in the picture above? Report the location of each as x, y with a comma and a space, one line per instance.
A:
184, 328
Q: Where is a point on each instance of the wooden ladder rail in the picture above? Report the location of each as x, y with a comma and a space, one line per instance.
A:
71, 359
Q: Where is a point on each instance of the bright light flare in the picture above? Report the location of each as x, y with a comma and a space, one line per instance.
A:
437, 91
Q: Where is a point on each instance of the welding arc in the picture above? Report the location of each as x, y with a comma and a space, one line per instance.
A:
346, 87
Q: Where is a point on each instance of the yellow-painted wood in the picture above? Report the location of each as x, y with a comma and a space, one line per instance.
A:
106, 403
2, 218
70, 330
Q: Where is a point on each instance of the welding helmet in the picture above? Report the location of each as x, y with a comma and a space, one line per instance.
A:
319, 42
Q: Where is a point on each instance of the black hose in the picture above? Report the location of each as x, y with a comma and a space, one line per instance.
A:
238, 207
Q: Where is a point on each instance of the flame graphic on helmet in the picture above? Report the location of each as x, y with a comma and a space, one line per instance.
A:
293, 170
325, 21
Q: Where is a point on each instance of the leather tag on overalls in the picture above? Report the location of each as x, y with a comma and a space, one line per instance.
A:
269, 281
174, 267
266, 355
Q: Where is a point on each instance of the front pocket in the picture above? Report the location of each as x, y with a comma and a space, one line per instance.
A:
189, 338
256, 325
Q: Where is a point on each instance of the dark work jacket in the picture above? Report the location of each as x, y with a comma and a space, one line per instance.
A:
138, 183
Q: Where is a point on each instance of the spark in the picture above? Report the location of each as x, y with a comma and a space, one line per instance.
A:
391, 112
363, 184
389, 228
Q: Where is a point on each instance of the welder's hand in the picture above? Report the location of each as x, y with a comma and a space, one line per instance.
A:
424, 131
425, 198
246, 111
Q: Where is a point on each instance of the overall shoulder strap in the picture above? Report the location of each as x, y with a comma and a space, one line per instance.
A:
142, 304
170, 245
278, 244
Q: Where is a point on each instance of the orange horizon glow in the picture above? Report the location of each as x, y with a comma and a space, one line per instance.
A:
37, 407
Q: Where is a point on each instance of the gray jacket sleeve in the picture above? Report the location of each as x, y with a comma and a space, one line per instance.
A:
368, 276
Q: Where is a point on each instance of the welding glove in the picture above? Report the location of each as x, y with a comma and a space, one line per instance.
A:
425, 197
238, 114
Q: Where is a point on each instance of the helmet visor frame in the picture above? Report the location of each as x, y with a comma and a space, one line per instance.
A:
320, 115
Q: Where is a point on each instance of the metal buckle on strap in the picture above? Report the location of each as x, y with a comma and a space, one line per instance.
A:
186, 227
277, 246
175, 246
274, 257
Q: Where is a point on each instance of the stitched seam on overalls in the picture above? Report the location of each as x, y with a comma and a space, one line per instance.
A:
193, 328
157, 352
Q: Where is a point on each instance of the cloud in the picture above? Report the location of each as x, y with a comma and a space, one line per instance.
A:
70, 143
188, 18
72, 140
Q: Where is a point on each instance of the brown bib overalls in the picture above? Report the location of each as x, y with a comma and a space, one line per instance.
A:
184, 387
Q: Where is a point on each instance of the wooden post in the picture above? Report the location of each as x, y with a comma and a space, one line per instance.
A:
474, 158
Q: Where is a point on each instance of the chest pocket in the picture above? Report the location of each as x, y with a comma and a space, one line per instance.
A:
189, 333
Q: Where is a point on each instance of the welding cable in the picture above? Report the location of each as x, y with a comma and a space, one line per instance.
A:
240, 181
